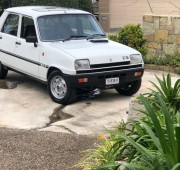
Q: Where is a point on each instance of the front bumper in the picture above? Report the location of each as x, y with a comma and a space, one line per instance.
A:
98, 80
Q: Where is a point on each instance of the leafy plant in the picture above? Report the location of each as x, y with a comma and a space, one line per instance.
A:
169, 93
97, 157
147, 143
131, 35
150, 142
168, 60
165, 139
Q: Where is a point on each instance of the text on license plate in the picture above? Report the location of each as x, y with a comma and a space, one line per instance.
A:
111, 81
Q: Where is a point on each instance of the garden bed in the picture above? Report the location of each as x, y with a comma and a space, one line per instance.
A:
162, 68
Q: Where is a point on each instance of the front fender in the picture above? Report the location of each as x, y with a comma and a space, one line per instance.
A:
55, 58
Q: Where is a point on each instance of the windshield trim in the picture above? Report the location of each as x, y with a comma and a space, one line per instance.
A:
65, 14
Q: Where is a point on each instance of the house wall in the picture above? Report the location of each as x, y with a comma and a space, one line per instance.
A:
104, 14
122, 12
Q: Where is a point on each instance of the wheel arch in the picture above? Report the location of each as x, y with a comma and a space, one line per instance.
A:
51, 69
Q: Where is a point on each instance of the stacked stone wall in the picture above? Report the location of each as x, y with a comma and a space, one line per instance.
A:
162, 34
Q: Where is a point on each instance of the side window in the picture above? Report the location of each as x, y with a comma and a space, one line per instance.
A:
11, 25
27, 27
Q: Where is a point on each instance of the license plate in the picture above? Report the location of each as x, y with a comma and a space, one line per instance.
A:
111, 81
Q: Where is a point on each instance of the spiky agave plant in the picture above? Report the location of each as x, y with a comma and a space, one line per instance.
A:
169, 93
158, 148
152, 142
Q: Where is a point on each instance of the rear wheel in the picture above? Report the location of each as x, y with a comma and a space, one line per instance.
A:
59, 90
3, 71
129, 88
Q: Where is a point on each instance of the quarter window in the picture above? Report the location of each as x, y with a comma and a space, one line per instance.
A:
27, 27
11, 25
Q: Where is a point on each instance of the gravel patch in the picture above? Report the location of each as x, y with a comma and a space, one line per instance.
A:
31, 150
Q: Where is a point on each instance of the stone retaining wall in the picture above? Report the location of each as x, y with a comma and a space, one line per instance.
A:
162, 34
162, 68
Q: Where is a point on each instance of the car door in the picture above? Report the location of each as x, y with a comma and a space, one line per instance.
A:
8, 36
28, 53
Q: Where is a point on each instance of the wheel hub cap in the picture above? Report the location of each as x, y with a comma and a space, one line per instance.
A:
58, 87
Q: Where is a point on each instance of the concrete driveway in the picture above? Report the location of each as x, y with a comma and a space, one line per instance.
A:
28, 106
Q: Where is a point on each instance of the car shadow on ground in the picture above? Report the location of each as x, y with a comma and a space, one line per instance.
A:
26, 81
108, 95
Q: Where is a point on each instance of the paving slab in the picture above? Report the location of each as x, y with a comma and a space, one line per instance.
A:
93, 116
27, 106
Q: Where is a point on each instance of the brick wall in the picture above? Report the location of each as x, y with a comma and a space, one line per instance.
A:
104, 15
162, 34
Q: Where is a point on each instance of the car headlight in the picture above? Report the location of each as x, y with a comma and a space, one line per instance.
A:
136, 58
82, 64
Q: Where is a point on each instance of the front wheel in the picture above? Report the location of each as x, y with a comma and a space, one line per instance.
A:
58, 89
129, 88
3, 71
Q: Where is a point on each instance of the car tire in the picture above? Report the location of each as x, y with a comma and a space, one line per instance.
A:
59, 90
3, 71
129, 88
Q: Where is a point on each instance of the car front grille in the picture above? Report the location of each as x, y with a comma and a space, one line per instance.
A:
110, 64
110, 68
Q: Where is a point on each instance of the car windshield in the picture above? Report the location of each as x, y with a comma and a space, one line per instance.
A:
68, 26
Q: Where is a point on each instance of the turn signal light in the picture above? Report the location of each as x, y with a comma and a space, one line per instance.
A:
82, 80
138, 73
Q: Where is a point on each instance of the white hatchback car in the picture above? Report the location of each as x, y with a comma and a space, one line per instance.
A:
67, 49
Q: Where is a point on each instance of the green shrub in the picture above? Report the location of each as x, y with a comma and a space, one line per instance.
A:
113, 37
169, 60
132, 36
150, 142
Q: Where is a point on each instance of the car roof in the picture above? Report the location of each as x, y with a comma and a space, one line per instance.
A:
36, 11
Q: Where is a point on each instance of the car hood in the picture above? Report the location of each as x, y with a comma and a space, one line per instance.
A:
96, 52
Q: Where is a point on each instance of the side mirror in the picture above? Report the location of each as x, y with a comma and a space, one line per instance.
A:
32, 39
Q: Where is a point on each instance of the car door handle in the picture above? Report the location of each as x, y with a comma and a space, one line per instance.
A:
18, 43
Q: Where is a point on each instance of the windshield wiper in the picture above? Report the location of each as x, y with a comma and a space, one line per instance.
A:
96, 36
74, 37
84, 36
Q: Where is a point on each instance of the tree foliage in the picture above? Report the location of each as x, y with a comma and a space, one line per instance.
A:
78, 4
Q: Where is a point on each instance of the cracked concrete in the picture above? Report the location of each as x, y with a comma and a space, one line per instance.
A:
28, 106
58, 115
94, 115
